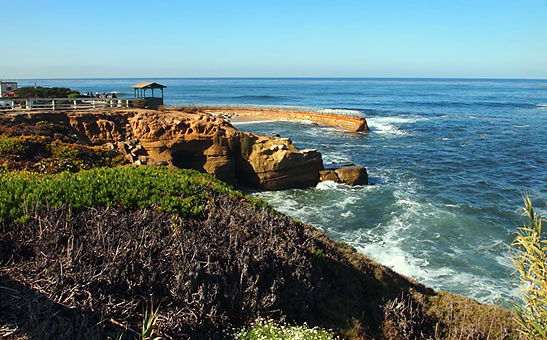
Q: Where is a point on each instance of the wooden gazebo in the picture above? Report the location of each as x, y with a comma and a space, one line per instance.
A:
140, 92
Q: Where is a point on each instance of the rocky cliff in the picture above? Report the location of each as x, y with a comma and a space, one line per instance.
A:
194, 140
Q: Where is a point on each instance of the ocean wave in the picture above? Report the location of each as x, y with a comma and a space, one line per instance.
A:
391, 124
541, 106
378, 126
328, 185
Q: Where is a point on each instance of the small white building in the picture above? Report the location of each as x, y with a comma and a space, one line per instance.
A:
7, 87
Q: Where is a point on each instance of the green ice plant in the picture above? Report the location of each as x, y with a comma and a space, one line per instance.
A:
180, 191
530, 259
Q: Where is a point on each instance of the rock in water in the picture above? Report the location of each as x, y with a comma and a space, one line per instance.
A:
352, 175
276, 164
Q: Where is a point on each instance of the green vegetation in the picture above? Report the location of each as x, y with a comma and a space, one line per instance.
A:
47, 155
269, 330
530, 260
45, 92
149, 322
175, 191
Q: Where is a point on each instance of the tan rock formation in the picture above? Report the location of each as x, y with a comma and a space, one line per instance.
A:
348, 174
352, 175
201, 141
275, 163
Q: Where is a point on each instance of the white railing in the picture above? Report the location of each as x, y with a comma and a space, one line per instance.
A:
92, 103
344, 112
63, 103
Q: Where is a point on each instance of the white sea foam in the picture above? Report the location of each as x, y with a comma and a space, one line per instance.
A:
328, 185
347, 214
391, 125
378, 126
541, 106
342, 204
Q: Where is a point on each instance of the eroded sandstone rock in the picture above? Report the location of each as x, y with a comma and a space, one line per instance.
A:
347, 174
352, 175
200, 141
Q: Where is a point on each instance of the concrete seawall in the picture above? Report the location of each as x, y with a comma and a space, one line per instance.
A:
350, 123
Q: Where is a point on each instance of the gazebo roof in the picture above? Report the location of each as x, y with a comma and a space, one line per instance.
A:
148, 85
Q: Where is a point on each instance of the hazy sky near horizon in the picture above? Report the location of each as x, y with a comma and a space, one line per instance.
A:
398, 38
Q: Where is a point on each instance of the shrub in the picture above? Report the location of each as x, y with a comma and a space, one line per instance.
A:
44, 154
530, 259
44, 92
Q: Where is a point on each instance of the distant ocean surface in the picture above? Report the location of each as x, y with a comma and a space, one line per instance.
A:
448, 160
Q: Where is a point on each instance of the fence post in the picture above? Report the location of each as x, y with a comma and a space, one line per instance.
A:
12, 104
53, 104
93, 103
75, 106
111, 102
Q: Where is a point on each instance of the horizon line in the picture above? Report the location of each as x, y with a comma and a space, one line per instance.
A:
277, 77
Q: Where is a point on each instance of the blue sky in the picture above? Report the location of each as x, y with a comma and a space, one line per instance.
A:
207, 38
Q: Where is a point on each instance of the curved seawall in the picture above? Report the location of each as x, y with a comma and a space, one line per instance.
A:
350, 120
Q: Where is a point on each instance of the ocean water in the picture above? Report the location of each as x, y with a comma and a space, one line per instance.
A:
448, 161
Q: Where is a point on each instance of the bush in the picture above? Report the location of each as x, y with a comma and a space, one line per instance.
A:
45, 154
44, 92
531, 262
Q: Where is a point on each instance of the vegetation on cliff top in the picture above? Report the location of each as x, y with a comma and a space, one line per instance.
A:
44, 92
48, 155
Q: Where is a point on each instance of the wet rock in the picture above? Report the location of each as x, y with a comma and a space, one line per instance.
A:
352, 175
329, 175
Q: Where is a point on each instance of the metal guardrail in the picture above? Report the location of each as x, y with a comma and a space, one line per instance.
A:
63, 103
344, 112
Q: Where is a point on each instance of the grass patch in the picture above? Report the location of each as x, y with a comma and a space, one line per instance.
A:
170, 190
